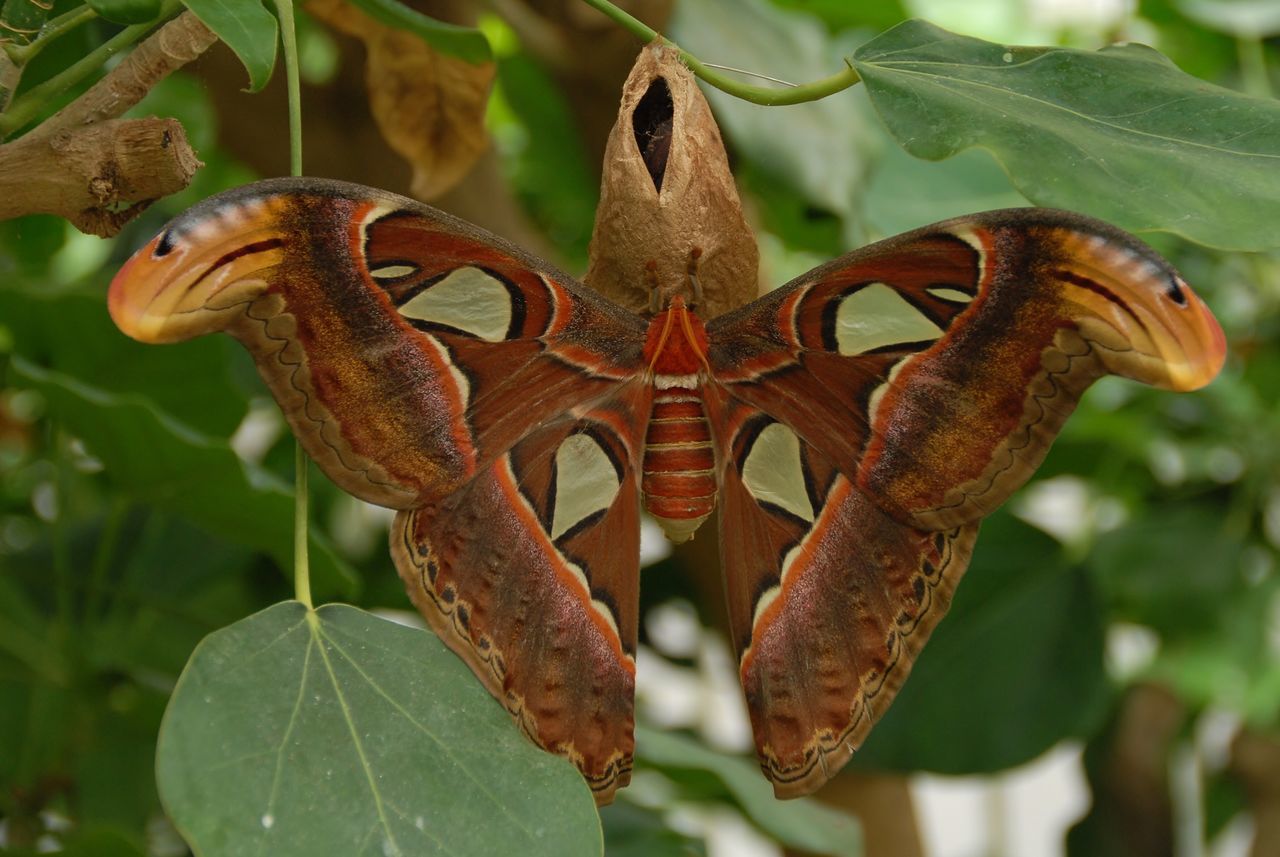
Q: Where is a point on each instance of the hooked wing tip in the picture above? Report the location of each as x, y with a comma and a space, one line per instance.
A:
1203, 352
132, 292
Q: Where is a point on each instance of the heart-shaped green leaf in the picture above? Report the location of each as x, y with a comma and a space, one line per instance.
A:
299, 732
1119, 133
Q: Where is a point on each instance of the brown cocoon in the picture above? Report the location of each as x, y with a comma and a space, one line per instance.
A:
669, 212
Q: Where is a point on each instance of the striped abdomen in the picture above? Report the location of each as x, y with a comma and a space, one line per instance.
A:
679, 467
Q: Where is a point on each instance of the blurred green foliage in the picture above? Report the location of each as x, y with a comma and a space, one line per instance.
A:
134, 520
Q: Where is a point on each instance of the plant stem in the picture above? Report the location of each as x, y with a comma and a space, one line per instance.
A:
301, 464
289, 42
102, 557
55, 29
764, 95
29, 105
1253, 66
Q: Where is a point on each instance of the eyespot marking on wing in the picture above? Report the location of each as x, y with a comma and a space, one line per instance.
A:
467, 299
587, 480
876, 316
773, 472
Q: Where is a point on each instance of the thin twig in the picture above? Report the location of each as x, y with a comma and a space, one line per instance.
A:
764, 95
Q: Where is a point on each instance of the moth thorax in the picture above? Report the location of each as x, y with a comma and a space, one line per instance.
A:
679, 466
676, 343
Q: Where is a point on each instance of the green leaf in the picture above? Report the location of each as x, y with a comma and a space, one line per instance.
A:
247, 28
1014, 667
634, 831
26, 246
1120, 133
804, 824
72, 334
161, 461
465, 43
335, 732
126, 11
1173, 569
905, 192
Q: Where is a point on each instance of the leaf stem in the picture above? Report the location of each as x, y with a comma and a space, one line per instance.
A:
301, 562
764, 95
30, 104
771, 96
55, 29
301, 464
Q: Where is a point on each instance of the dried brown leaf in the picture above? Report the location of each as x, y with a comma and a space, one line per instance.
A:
429, 106
669, 212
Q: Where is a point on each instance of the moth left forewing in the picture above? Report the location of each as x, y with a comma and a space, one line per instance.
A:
830, 599
939, 365
530, 572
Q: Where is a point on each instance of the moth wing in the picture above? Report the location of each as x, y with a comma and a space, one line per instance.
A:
869, 414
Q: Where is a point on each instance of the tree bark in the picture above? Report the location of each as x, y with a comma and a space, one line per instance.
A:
98, 171
87, 174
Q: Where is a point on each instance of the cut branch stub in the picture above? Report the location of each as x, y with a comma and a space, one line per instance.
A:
669, 221
99, 176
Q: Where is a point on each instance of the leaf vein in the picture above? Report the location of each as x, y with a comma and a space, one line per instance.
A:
448, 751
